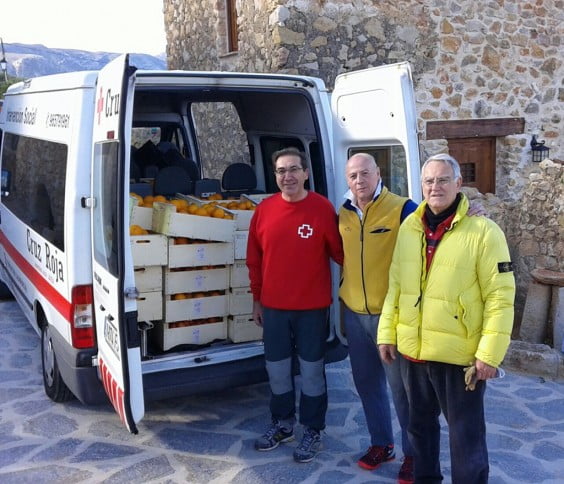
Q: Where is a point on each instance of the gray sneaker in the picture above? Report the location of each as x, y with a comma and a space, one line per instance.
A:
273, 437
309, 446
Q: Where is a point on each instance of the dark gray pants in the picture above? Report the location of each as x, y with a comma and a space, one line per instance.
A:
304, 332
434, 387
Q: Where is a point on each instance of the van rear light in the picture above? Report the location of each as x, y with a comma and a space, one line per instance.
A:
82, 317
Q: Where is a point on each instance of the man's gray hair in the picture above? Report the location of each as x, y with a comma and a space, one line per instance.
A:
444, 158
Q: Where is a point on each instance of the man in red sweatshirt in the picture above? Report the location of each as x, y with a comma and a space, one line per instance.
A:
292, 237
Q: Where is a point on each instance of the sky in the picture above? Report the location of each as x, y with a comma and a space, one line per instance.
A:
134, 26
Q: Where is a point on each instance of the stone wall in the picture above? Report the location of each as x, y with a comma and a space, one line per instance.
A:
471, 59
534, 225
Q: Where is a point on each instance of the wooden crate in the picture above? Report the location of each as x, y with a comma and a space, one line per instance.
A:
148, 279
198, 255
150, 306
243, 328
195, 308
168, 337
239, 274
196, 280
149, 250
167, 221
240, 301
240, 239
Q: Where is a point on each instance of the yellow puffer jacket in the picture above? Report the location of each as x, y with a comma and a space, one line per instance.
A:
462, 309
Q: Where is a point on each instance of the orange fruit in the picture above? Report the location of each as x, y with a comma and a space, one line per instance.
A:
218, 213
179, 203
180, 240
201, 211
192, 208
148, 199
137, 230
159, 198
138, 198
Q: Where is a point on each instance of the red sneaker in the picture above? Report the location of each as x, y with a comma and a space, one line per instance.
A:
376, 455
405, 475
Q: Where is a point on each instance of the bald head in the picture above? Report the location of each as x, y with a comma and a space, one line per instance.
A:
363, 176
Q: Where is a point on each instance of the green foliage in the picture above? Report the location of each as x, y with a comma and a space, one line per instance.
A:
4, 85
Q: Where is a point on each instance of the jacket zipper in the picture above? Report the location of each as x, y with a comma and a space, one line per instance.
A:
364, 216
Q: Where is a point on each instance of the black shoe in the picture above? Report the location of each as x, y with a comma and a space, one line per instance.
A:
273, 437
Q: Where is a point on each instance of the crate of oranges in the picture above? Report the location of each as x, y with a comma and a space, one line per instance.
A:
241, 209
147, 249
195, 305
190, 332
195, 279
181, 218
141, 211
187, 252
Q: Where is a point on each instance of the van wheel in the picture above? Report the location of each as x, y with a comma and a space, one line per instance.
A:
55, 387
5, 293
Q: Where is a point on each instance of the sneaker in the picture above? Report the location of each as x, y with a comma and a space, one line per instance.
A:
376, 455
273, 437
309, 446
405, 475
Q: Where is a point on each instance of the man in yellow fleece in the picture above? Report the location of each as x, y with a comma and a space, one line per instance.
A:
449, 305
369, 221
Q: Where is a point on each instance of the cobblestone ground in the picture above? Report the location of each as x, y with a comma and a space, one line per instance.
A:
209, 438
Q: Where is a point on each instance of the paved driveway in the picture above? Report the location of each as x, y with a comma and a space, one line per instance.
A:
209, 438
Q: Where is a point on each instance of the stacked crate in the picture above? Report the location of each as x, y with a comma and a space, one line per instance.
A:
241, 326
196, 277
196, 288
150, 254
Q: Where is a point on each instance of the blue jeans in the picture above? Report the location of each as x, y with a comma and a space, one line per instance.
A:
304, 332
370, 374
434, 387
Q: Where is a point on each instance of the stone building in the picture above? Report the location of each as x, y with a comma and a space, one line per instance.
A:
488, 75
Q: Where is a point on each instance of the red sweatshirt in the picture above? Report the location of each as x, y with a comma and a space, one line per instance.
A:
288, 252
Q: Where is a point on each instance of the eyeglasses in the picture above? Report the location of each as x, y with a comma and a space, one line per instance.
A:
441, 180
284, 171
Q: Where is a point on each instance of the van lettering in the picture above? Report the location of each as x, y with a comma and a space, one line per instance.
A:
53, 265
112, 104
33, 247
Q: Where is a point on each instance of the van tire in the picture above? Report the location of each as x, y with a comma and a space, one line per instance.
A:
55, 387
5, 293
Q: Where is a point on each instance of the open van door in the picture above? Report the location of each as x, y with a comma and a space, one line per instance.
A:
376, 107
119, 354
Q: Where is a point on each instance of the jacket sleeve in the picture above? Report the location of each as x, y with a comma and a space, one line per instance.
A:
390, 310
254, 257
497, 285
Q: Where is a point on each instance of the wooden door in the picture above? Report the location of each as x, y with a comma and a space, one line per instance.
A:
476, 157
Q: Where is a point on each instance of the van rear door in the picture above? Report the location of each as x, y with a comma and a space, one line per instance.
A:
375, 107
119, 355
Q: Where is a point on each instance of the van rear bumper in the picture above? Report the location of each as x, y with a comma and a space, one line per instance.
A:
209, 378
77, 371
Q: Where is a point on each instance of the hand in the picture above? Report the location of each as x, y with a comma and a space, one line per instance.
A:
257, 313
387, 353
484, 371
476, 209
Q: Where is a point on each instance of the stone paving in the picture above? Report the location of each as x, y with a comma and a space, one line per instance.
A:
209, 438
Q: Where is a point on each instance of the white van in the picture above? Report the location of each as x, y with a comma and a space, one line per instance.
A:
73, 148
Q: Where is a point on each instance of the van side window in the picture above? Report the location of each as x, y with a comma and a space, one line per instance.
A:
105, 217
37, 172
221, 139
392, 161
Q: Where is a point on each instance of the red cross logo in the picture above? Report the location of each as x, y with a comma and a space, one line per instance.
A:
305, 231
100, 105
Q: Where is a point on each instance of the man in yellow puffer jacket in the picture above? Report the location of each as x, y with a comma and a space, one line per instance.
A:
449, 304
